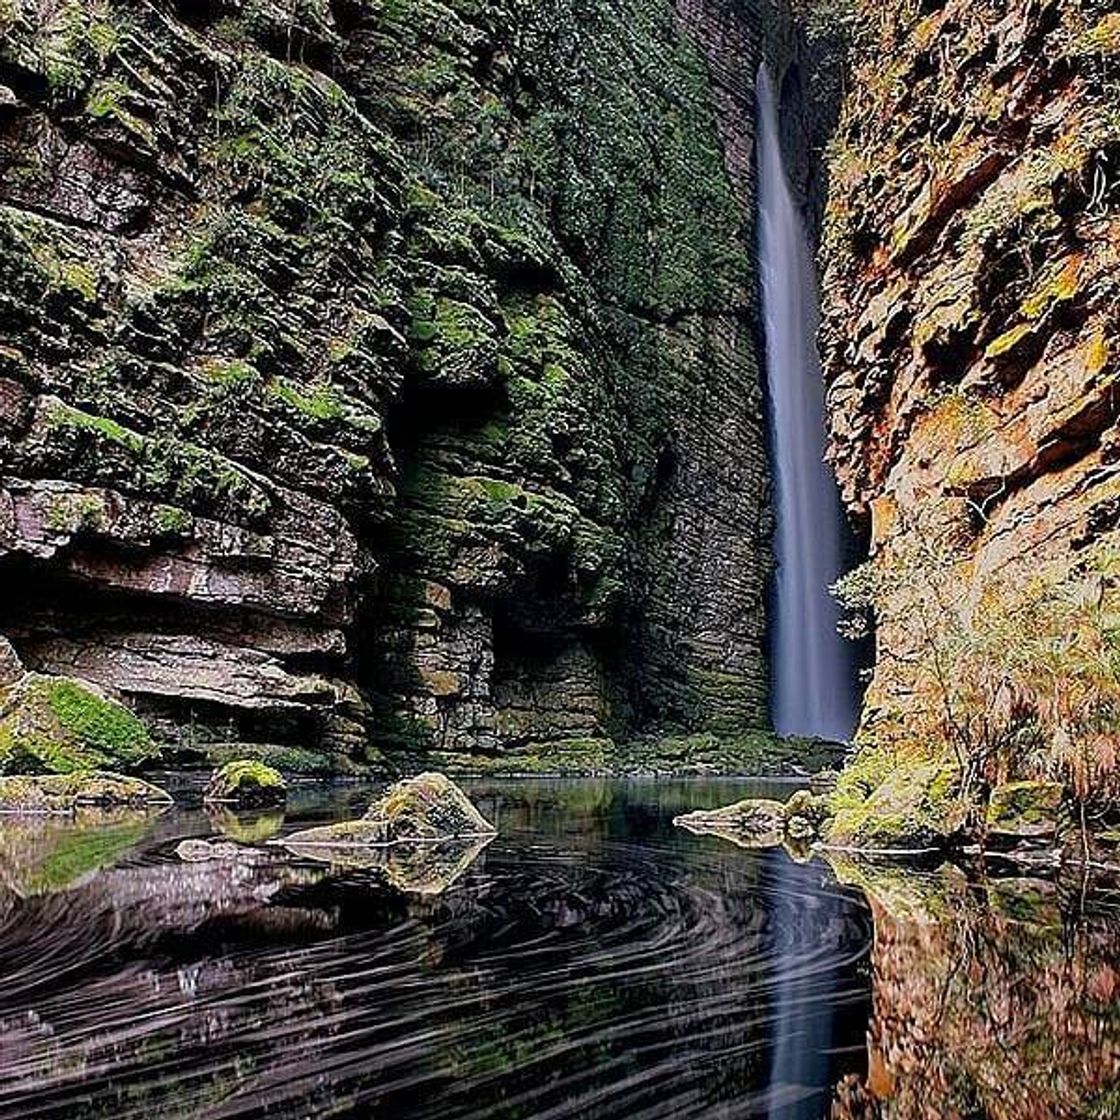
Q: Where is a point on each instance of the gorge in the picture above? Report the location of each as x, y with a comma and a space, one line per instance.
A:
693, 426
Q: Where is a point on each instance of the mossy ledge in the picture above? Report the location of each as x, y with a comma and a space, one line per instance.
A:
67, 793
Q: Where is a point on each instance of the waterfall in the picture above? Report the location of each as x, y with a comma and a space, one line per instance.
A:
812, 666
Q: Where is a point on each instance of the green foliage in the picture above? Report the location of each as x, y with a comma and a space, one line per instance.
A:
98, 723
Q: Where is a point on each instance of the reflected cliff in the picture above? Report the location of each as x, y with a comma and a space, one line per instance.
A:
992, 998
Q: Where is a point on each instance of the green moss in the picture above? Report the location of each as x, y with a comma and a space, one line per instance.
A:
321, 403
73, 513
287, 760
105, 726
247, 782
171, 520
888, 798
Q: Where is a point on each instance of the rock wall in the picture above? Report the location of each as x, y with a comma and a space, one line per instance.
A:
972, 307
384, 375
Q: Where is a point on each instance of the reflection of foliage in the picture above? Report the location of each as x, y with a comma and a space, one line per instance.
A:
989, 1000
1017, 672
43, 855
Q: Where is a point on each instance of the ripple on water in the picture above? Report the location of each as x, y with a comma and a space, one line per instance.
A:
593, 962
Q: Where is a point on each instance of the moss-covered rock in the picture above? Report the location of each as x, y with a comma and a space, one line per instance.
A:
247, 782
429, 807
1024, 810
752, 823
61, 725
895, 799
759, 822
64, 793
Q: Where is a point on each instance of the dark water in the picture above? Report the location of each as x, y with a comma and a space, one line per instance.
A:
592, 961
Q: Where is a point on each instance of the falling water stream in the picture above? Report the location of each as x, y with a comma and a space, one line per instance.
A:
812, 690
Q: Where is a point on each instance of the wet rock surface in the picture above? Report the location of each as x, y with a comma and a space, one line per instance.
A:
64, 793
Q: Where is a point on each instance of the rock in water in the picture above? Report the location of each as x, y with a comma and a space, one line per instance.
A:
247, 782
60, 725
753, 823
63, 793
1024, 810
759, 822
428, 807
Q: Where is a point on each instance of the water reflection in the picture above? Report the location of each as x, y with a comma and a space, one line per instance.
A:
995, 998
592, 961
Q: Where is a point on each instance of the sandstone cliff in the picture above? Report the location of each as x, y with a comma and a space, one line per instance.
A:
972, 308
385, 367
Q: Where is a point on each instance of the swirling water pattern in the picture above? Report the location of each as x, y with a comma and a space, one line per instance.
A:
592, 962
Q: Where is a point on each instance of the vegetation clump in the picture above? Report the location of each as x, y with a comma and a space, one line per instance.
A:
61, 725
247, 782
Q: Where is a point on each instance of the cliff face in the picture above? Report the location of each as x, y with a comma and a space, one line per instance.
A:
384, 366
972, 306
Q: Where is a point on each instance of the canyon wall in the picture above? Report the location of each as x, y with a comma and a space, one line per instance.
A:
971, 315
383, 376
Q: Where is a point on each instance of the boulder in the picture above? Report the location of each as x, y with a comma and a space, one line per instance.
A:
756, 822
247, 782
11, 668
63, 793
60, 725
1024, 810
428, 807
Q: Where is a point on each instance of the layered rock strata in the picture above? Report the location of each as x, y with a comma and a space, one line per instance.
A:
385, 366
971, 312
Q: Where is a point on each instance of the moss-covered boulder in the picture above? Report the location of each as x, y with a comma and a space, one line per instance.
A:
429, 807
1024, 810
59, 725
895, 799
756, 822
247, 782
64, 793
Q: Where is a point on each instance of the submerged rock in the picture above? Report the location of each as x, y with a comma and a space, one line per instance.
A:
428, 807
61, 724
202, 851
1024, 810
63, 793
247, 782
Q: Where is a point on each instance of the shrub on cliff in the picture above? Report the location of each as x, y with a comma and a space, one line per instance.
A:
1014, 672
